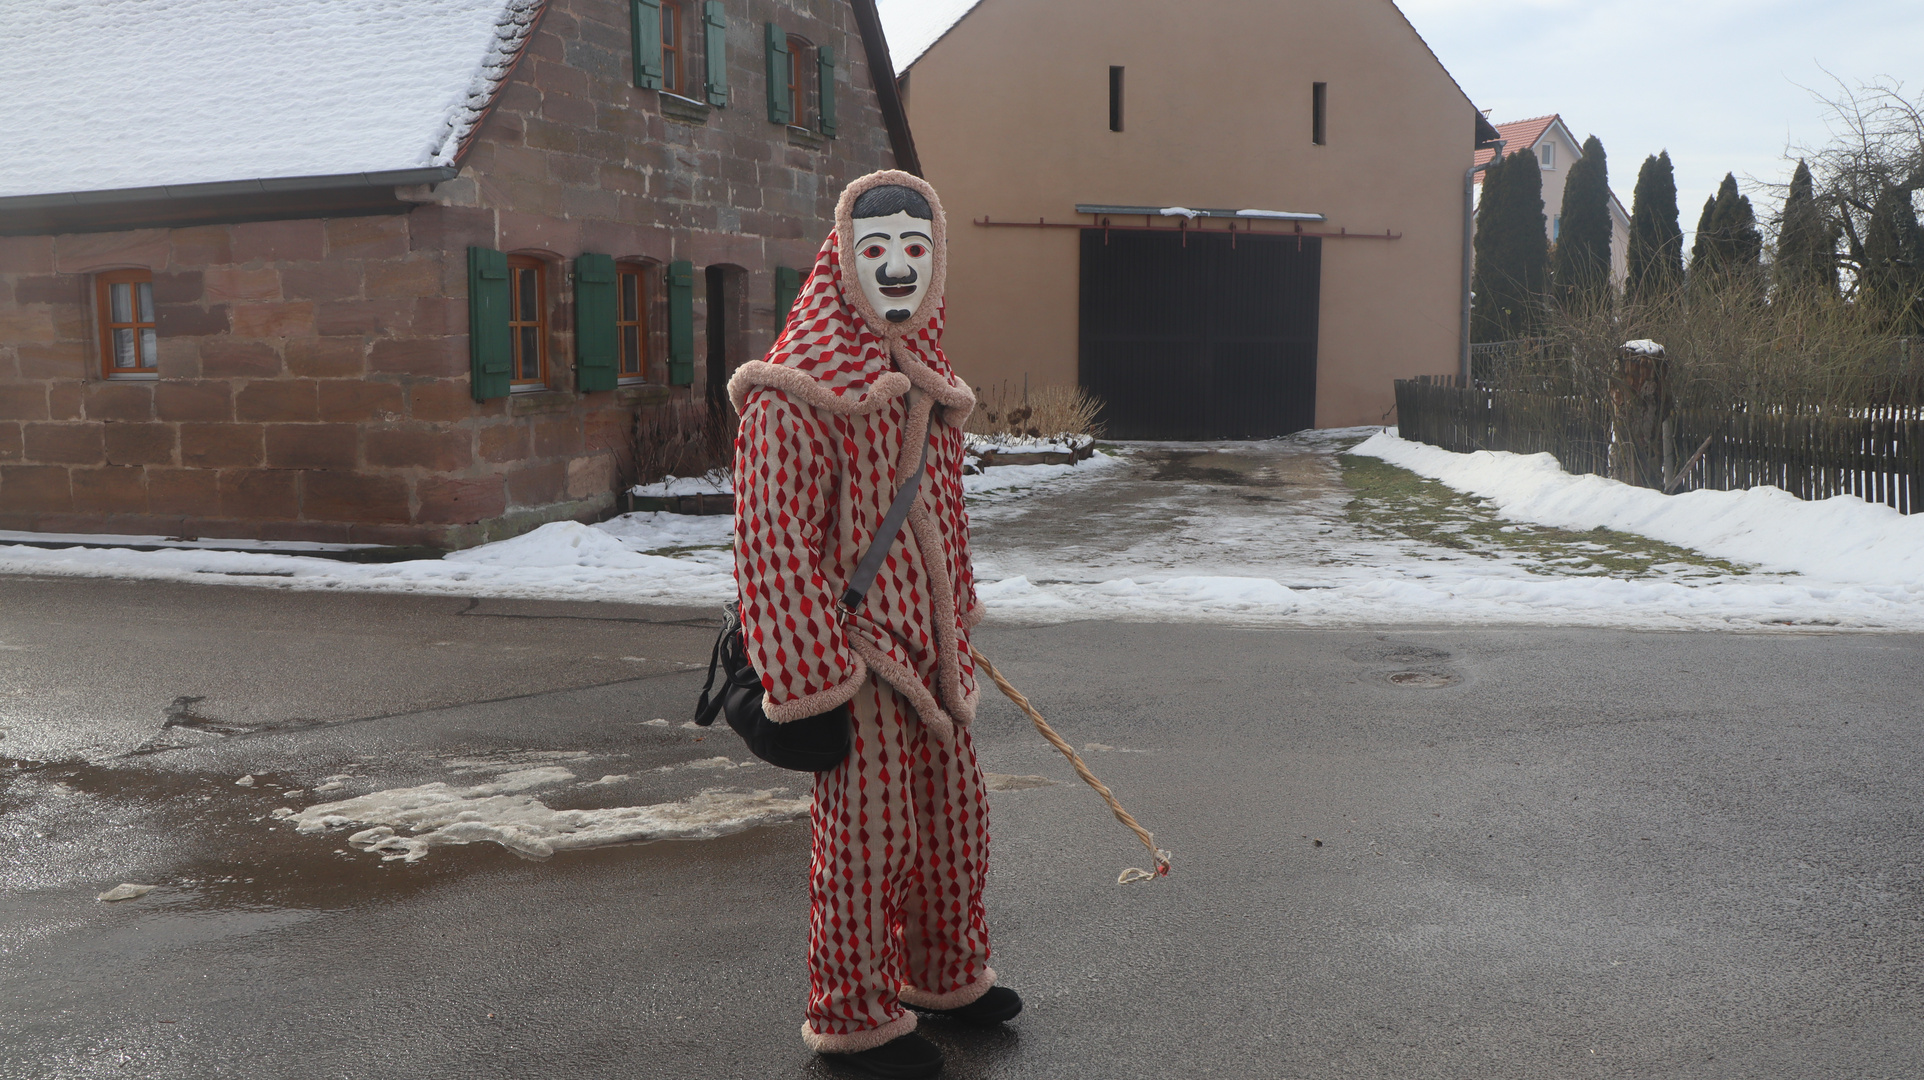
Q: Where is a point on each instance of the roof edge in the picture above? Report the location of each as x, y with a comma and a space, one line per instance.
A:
276, 185
881, 74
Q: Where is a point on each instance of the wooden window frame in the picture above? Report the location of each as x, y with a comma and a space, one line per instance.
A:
801, 111
642, 274
104, 317
674, 58
517, 266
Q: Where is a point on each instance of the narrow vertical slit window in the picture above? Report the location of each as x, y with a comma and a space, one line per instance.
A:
1115, 98
631, 321
527, 321
1319, 114
129, 346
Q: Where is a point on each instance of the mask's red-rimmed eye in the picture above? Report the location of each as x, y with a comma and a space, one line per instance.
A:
873, 251
916, 251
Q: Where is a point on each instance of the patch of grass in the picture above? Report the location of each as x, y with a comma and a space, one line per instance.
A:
1390, 500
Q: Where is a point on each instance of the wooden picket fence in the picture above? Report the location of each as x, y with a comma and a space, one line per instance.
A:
1873, 452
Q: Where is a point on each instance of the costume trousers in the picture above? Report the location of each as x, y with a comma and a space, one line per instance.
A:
900, 857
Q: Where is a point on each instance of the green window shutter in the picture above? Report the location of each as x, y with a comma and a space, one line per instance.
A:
788, 284
644, 25
715, 43
681, 323
595, 345
780, 109
825, 70
490, 349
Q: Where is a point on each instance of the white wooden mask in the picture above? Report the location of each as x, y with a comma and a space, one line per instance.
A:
893, 261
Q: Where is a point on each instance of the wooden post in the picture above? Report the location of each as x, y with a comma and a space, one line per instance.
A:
1640, 397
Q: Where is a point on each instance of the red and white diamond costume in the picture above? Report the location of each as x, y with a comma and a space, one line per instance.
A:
831, 426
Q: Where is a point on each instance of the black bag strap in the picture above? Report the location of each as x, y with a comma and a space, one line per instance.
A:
878, 549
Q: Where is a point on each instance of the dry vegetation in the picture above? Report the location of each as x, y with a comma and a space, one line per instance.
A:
682, 438
1040, 412
1727, 341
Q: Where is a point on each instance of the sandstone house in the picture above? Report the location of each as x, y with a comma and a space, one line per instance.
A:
414, 294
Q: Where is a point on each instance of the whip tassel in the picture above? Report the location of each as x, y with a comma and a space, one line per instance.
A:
1042, 726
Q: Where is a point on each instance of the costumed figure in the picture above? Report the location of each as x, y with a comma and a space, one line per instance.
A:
833, 422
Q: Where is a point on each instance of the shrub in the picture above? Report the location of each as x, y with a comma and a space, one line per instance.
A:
681, 438
1042, 412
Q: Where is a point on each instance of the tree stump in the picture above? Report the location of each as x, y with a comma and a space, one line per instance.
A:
1640, 404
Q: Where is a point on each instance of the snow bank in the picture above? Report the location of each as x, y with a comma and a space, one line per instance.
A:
437, 815
143, 93
1009, 480
1841, 540
716, 483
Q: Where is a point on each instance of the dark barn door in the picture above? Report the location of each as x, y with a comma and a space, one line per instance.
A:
1202, 340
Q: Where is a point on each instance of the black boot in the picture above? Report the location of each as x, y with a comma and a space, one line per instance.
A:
905, 1057
992, 1008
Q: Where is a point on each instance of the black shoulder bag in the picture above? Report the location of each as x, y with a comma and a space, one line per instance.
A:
811, 743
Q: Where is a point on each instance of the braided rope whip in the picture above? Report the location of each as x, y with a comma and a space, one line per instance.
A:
1042, 726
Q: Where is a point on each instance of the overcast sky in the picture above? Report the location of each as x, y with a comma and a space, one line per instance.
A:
1724, 85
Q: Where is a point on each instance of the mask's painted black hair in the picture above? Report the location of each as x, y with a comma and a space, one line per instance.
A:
889, 199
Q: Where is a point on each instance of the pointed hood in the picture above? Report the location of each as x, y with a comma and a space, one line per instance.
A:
837, 352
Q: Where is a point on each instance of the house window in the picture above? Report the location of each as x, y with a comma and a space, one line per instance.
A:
1548, 153
1556, 227
1115, 99
528, 321
1319, 113
631, 321
801, 89
674, 59
128, 344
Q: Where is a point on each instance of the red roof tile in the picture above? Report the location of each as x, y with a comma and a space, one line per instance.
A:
1517, 135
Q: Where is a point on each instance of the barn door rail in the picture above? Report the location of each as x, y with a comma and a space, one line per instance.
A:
1183, 226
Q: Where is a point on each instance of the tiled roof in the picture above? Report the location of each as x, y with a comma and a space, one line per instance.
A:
206, 91
1517, 135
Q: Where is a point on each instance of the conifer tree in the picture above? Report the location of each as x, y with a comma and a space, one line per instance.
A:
1656, 240
1704, 244
1894, 262
1728, 240
1581, 267
1806, 241
1512, 251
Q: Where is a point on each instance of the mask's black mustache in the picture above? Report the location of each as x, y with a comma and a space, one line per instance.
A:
882, 276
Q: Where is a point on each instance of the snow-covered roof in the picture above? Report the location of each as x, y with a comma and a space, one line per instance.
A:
112, 94
914, 25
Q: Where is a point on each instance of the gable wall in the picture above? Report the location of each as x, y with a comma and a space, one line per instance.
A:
313, 375
1010, 112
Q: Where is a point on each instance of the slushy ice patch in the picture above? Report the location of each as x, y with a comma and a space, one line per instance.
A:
437, 814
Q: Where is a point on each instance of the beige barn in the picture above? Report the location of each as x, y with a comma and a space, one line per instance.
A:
1228, 218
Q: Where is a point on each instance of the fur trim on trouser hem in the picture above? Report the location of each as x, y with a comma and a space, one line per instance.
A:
857, 1041
954, 999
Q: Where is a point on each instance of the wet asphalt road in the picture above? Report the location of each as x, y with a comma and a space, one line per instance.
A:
1545, 853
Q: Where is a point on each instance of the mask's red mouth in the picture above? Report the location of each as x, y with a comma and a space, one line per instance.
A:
898, 291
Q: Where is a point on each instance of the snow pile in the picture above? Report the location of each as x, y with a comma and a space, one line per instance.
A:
714, 483
977, 445
1009, 481
143, 93
437, 815
556, 544
1643, 347
1842, 540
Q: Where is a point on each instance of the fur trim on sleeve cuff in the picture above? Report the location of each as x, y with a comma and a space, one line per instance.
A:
954, 999
820, 701
857, 1041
